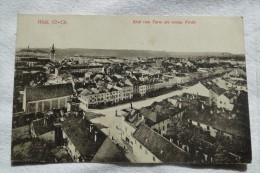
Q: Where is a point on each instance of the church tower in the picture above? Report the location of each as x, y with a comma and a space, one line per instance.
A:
52, 56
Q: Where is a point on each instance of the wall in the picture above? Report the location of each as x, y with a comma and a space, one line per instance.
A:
71, 148
127, 131
224, 102
49, 136
46, 105
162, 126
143, 155
213, 131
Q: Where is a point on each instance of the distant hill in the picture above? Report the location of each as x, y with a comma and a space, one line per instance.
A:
70, 52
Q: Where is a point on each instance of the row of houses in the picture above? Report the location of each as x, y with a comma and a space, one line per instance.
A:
143, 131
83, 140
132, 87
222, 90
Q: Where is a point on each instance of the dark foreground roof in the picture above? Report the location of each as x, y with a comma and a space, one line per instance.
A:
48, 92
109, 152
77, 129
163, 149
42, 126
231, 126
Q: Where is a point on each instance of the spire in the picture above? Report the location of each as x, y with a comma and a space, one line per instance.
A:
52, 53
53, 49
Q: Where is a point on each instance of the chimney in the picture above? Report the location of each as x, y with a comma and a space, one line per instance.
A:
68, 107
61, 112
95, 137
142, 117
202, 106
171, 140
206, 157
56, 72
211, 112
180, 105
44, 121
90, 127
197, 152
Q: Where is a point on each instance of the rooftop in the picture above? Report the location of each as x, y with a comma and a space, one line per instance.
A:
77, 129
163, 149
230, 126
216, 89
48, 92
42, 126
109, 152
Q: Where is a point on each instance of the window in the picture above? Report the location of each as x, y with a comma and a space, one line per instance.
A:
163, 128
207, 127
198, 124
127, 140
141, 146
220, 102
153, 158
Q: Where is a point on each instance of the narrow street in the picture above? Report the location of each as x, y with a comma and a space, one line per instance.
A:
113, 122
110, 119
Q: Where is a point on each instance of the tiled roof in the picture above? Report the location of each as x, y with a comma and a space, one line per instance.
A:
86, 92
238, 72
229, 95
147, 113
218, 90
109, 152
212, 86
41, 127
48, 92
230, 126
163, 149
77, 129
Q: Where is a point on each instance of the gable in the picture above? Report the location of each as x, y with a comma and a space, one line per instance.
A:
48, 92
198, 89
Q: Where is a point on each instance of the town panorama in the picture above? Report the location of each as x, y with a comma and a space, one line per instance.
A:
139, 109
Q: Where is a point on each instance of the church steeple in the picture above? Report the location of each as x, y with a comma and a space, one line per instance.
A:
53, 49
52, 53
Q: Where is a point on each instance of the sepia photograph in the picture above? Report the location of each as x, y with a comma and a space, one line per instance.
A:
130, 89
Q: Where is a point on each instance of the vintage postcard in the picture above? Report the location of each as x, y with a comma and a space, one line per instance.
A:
139, 89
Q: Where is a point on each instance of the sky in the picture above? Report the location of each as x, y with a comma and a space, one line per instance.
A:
204, 34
